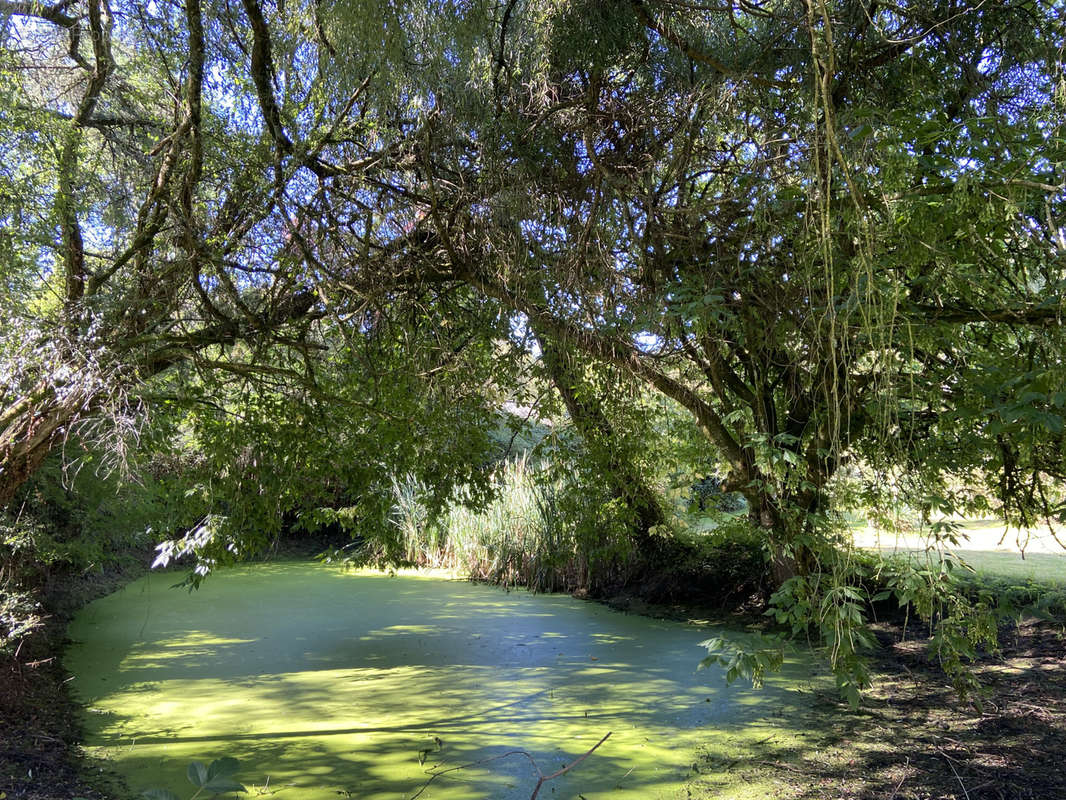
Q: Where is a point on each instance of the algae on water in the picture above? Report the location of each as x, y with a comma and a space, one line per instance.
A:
325, 682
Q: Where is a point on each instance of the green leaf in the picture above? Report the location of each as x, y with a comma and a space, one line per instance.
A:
197, 773
222, 767
789, 456
862, 132
224, 784
733, 416
712, 644
159, 794
851, 692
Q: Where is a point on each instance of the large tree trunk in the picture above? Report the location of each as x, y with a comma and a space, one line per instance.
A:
31, 426
788, 528
624, 480
784, 561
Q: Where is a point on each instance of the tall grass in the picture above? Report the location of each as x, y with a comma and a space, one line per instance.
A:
528, 535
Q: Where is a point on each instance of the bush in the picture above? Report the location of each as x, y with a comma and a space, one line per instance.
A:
536, 530
707, 495
1029, 598
66, 521
726, 567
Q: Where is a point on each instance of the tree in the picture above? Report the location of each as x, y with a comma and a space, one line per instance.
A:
801, 222
830, 231
603, 444
166, 168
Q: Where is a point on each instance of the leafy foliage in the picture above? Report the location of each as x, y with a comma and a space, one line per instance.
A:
749, 660
20, 615
536, 529
323, 244
72, 518
209, 779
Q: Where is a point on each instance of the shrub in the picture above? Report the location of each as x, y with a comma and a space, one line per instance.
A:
536, 530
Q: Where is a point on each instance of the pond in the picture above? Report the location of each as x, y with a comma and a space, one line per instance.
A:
328, 683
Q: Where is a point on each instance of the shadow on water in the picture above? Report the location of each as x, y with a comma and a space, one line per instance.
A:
331, 682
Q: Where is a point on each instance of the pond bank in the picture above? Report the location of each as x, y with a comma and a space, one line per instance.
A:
40, 751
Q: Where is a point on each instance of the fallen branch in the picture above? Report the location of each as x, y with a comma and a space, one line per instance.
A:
545, 778
959, 779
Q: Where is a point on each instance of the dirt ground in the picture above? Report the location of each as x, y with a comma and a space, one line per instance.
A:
39, 756
912, 740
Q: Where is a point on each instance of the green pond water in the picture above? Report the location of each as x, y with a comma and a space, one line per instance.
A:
327, 683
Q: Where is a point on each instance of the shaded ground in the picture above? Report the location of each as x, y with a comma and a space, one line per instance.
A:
914, 740
37, 735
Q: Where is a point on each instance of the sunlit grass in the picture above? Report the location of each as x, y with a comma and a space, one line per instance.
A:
1037, 567
991, 548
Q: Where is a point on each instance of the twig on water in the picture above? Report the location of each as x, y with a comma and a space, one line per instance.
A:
545, 778
541, 777
436, 775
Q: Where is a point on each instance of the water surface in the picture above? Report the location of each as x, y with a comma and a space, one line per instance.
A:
326, 684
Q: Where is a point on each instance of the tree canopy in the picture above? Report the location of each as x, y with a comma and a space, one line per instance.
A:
830, 231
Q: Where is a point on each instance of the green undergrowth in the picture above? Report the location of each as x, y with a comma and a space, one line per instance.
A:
547, 533
1027, 597
74, 520
934, 596
1013, 587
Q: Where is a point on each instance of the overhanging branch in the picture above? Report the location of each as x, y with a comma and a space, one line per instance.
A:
56, 14
1019, 315
619, 354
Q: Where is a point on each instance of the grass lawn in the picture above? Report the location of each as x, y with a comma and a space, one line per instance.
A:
1037, 567
993, 550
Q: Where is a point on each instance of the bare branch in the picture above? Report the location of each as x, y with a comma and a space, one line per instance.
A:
1021, 315
56, 14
